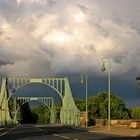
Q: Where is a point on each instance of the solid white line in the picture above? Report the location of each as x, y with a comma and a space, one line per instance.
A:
8, 131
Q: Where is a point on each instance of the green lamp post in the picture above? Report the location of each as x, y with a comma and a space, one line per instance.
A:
104, 60
84, 75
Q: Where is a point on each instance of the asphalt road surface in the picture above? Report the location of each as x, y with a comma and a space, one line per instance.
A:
54, 132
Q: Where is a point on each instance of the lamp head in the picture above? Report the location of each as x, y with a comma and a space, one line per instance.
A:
82, 81
138, 79
103, 67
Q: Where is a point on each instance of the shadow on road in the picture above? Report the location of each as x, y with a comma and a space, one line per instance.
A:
38, 132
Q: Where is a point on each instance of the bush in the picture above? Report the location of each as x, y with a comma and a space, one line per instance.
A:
91, 122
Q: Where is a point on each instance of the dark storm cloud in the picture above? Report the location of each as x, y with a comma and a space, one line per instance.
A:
9, 9
3, 62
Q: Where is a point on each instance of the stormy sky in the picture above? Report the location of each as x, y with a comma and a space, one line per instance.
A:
66, 37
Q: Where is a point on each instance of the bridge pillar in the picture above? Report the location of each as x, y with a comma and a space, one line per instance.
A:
69, 112
5, 117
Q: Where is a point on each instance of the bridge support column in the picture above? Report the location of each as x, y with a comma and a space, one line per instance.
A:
69, 111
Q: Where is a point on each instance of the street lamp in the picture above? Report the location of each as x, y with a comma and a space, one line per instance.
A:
106, 59
82, 75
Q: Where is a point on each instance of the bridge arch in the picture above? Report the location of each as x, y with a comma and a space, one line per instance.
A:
14, 84
69, 114
30, 99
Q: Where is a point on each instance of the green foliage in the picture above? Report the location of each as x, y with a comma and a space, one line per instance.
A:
34, 114
135, 113
117, 107
98, 107
11, 107
41, 114
26, 116
91, 122
58, 108
80, 104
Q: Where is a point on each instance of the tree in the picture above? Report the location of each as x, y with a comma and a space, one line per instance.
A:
81, 104
11, 107
100, 106
26, 116
135, 113
41, 114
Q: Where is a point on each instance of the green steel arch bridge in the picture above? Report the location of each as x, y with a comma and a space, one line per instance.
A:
69, 114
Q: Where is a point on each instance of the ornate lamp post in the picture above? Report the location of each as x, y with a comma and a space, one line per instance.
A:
82, 81
104, 60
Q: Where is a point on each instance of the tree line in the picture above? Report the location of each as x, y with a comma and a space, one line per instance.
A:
97, 107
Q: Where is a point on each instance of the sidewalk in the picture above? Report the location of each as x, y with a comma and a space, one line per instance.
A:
122, 131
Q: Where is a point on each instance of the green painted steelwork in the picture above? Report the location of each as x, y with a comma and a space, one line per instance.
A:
48, 101
69, 114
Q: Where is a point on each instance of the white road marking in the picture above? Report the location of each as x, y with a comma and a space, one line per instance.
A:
55, 135
8, 131
44, 131
92, 131
65, 137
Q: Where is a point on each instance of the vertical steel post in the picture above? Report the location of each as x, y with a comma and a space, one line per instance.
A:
82, 81
103, 69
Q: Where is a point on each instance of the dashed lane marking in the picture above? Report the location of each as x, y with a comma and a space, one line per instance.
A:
92, 131
55, 135
65, 137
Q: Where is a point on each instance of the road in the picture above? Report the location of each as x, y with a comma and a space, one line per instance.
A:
53, 132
